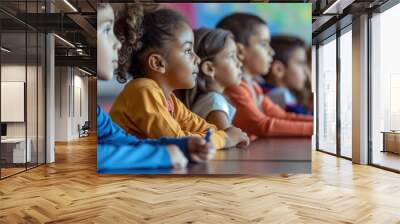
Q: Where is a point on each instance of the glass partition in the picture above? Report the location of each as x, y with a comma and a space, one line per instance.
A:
346, 93
22, 88
327, 96
14, 153
385, 89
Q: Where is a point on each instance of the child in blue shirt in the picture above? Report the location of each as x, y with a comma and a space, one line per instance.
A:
117, 150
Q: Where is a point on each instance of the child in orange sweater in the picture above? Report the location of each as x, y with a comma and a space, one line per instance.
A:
257, 114
164, 62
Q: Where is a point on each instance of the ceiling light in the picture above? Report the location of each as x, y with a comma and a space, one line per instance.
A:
5, 50
337, 7
328, 10
65, 41
70, 5
84, 71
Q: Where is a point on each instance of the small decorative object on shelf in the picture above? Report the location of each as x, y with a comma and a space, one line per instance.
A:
84, 129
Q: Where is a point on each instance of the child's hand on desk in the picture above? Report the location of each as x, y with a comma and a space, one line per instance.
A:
236, 138
200, 150
245, 141
178, 160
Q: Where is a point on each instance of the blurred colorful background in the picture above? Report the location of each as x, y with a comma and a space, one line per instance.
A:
283, 18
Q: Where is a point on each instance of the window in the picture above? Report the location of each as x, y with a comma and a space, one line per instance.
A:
346, 93
385, 88
327, 96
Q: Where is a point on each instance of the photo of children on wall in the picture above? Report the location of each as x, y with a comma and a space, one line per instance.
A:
196, 88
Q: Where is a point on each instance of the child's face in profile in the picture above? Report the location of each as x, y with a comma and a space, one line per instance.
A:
258, 53
182, 62
227, 66
107, 43
295, 72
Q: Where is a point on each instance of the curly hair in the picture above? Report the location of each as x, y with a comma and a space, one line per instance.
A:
128, 30
140, 27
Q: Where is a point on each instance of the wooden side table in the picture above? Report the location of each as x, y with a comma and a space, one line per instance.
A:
391, 141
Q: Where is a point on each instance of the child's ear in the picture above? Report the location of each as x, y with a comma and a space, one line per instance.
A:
208, 69
157, 63
278, 69
240, 51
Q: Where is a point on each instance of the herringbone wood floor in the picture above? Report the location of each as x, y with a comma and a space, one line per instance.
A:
70, 191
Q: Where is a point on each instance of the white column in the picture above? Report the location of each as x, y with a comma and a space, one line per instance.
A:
360, 90
314, 92
50, 99
50, 92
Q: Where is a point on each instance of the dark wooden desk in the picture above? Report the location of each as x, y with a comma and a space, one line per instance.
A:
262, 157
275, 149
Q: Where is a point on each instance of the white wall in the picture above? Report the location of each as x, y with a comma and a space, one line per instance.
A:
61, 104
79, 117
13, 73
69, 85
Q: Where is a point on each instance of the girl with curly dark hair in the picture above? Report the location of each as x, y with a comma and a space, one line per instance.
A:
161, 60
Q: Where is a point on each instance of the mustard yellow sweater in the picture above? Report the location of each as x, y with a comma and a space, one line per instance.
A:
141, 109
